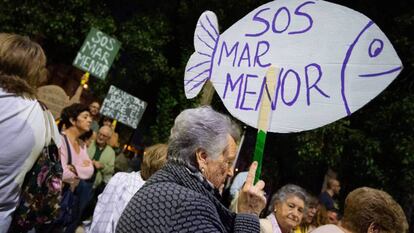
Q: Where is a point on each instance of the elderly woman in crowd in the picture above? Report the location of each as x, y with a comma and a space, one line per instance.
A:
369, 210
24, 128
286, 209
183, 196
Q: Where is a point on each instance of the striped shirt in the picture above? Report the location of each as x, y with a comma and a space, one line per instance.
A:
113, 200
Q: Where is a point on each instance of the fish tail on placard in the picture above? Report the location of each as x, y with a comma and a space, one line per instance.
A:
199, 67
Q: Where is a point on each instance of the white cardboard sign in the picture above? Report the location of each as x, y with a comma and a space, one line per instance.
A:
332, 60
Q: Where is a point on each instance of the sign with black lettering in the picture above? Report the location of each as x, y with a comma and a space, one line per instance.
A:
97, 53
123, 107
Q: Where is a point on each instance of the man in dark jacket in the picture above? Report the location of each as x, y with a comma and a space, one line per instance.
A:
326, 198
183, 196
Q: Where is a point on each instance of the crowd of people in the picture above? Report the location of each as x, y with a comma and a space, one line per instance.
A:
179, 186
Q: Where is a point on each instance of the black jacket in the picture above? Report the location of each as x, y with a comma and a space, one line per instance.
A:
176, 199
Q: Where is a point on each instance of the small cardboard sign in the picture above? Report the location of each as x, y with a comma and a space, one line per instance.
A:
123, 107
97, 53
55, 98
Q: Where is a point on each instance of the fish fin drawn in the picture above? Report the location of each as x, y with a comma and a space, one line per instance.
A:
199, 67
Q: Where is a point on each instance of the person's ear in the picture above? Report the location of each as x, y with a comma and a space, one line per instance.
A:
72, 120
276, 206
373, 228
201, 157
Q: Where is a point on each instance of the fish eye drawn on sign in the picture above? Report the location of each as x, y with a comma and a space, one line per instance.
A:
123, 107
97, 53
332, 60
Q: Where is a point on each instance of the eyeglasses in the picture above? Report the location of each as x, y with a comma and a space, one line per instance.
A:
103, 135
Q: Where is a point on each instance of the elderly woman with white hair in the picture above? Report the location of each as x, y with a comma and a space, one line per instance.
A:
183, 196
286, 210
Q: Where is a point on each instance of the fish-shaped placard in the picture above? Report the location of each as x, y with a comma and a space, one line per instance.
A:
332, 60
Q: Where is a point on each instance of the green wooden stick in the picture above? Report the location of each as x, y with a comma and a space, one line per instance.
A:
258, 153
264, 120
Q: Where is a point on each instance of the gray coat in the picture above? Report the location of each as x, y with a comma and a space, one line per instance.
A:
176, 199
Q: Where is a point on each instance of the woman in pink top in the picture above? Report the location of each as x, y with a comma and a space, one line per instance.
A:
76, 121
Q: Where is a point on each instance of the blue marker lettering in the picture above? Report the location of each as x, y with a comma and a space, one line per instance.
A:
245, 55
233, 49
299, 13
265, 87
290, 103
257, 55
247, 92
259, 19
314, 85
229, 81
275, 18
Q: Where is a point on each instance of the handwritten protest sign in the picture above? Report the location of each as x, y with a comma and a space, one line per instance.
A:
332, 60
123, 107
97, 53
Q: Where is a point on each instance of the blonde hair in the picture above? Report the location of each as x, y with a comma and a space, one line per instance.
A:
22, 63
365, 206
154, 158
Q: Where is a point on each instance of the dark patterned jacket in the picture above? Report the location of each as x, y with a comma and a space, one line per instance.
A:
176, 199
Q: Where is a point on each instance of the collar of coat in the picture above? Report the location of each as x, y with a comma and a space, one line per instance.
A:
191, 178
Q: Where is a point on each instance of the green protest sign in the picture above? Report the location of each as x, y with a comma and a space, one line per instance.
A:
97, 53
123, 107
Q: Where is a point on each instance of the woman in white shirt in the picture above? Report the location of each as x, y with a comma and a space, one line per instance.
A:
122, 186
23, 126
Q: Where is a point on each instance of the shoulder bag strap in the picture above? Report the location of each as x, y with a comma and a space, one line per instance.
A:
4, 96
68, 148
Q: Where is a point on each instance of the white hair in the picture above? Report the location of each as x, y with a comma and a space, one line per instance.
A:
108, 129
287, 191
197, 128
